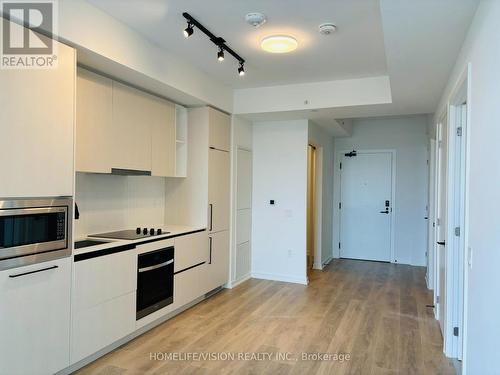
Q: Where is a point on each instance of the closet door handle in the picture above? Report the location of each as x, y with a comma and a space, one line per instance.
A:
442, 243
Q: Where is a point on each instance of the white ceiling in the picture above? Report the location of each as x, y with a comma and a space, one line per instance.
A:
414, 42
356, 50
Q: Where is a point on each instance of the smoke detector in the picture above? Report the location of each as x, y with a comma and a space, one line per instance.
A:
255, 19
327, 28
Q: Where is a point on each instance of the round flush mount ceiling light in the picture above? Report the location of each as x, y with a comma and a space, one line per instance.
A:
279, 44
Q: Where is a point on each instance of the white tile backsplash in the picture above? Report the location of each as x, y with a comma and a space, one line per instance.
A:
108, 202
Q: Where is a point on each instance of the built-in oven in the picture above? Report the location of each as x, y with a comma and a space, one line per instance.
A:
155, 281
34, 230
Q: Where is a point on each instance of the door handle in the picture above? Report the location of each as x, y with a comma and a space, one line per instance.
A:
442, 243
384, 212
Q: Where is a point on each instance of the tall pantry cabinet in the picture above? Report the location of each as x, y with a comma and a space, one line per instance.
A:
219, 136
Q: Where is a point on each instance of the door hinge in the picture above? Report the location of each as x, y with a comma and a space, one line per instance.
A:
455, 331
457, 231
437, 299
341, 166
340, 205
459, 131
339, 245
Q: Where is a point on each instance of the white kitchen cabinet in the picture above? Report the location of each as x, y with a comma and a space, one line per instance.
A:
35, 318
218, 264
190, 250
94, 123
218, 190
163, 139
103, 302
101, 325
219, 129
132, 128
189, 285
37, 128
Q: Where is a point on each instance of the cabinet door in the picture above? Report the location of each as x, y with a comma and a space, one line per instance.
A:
163, 137
35, 318
131, 128
94, 122
189, 285
218, 265
190, 250
37, 128
219, 129
218, 190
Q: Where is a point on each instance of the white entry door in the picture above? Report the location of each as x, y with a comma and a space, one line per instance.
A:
366, 206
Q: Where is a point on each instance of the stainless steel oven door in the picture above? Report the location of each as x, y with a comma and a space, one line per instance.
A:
30, 228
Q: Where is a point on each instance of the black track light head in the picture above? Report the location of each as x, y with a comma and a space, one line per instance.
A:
220, 54
241, 70
188, 31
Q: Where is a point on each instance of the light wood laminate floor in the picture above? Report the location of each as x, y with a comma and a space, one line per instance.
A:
374, 311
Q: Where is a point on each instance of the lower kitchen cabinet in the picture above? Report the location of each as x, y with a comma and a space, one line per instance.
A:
190, 250
218, 264
189, 285
104, 297
35, 318
99, 326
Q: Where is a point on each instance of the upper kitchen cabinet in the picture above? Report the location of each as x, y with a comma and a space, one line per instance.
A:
122, 129
132, 128
94, 120
37, 128
162, 116
219, 129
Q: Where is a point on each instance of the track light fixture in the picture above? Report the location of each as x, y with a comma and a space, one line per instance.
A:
188, 31
218, 41
241, 70
220, 54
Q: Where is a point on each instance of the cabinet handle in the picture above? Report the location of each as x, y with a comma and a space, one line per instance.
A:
211, 216
31, 272
210, 258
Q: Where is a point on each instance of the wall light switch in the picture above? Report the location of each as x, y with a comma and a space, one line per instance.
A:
271, 202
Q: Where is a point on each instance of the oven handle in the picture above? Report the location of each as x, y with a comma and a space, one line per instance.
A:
155, 267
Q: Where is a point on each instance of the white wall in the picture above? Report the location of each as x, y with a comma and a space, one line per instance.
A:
482, 50
279, 173
320, 137
108, 203
241, 217
406, 135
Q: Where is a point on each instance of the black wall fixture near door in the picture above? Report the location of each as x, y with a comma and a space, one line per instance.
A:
218, 41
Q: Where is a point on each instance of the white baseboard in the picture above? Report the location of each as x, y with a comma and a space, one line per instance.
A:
277, 277
235, 283
327, 261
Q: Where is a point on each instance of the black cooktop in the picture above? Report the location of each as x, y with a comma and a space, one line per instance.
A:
131, 234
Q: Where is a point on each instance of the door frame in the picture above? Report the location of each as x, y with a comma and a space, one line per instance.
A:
340, 155
441, 123
431, 216
318, 207
458, 214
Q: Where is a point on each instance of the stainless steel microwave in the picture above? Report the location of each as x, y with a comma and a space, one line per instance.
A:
34, 230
